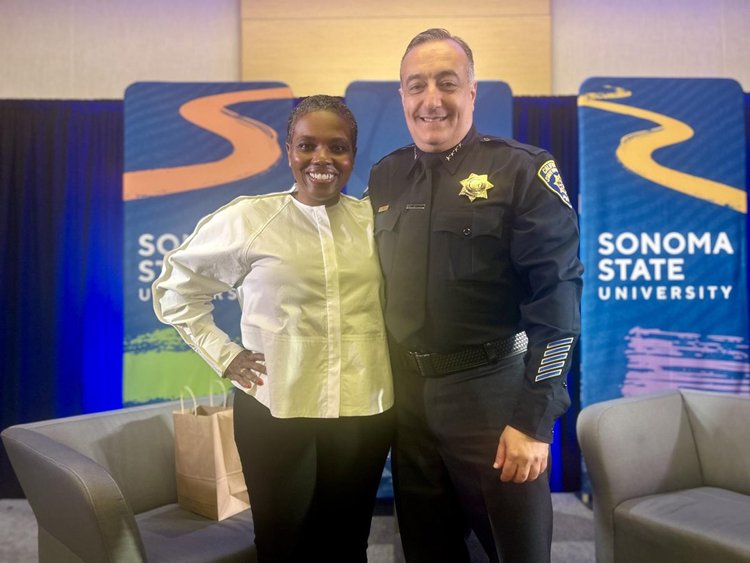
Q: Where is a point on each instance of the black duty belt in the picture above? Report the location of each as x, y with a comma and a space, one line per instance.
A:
437, 364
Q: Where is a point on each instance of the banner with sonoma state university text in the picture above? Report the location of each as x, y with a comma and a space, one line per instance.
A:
189, 149
663, 218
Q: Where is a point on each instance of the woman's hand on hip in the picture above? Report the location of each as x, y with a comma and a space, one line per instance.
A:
247, 368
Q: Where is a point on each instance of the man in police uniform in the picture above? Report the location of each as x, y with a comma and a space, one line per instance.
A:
478, 243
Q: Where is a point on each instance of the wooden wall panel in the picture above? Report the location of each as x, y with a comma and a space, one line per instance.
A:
322, 46
336, 9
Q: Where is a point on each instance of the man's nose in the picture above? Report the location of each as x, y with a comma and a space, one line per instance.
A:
433, 96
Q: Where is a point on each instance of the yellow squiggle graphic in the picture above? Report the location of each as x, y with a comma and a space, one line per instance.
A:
255, 147
636, 149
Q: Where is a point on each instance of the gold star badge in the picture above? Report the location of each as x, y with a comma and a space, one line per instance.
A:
475, 186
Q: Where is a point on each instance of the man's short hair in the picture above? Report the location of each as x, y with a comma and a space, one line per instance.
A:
439, 34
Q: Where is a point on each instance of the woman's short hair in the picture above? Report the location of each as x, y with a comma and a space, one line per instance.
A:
322, 102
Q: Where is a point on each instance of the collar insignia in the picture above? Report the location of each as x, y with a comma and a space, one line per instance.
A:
454, 151
450, 155
475, 186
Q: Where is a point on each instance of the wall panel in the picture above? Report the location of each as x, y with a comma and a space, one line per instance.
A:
321, 47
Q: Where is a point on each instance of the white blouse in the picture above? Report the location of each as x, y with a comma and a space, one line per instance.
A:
310, 288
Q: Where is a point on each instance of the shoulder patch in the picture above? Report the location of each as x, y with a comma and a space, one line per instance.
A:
551, 178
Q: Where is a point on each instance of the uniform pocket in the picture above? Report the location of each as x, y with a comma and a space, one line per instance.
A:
472, 241
386, 235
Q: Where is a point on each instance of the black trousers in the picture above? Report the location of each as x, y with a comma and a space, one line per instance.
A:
447, 434
312, 482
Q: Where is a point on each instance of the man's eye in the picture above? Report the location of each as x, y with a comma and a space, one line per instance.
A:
415, 88
304, 146
340, 149
448, 85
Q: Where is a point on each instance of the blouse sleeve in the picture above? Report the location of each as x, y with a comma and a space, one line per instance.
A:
209, 262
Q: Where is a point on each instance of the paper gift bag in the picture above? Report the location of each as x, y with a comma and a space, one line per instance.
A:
209, 474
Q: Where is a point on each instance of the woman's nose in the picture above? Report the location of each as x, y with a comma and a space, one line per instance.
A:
322, 155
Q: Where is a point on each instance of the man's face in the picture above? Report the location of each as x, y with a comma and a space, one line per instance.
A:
437, 95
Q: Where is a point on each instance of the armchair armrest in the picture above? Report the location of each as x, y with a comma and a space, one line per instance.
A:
74, 499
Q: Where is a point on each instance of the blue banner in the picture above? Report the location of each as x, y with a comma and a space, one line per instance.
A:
663, 228
189, 149
382, 127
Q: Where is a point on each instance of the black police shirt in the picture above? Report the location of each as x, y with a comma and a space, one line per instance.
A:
499, 256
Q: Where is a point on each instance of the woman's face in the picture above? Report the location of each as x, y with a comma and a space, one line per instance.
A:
321, 157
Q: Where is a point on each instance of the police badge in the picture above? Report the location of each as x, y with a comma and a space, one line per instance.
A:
475, 186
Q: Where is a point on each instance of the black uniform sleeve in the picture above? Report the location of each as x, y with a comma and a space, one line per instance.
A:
544, 251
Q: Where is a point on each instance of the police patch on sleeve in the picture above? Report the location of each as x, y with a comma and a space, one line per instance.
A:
551, 177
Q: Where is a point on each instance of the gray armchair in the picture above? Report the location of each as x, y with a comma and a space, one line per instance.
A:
102, 488
670, 477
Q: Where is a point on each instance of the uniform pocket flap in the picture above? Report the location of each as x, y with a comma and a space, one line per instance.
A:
468, 224
386, 220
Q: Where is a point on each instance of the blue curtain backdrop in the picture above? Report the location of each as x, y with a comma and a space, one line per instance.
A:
60, 261
61, 232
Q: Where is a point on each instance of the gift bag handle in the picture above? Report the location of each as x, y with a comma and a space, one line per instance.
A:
195, 401
223, 390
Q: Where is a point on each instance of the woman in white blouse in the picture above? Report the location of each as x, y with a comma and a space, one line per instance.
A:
313, 422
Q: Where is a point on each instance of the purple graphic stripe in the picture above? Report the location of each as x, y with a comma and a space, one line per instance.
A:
659, 360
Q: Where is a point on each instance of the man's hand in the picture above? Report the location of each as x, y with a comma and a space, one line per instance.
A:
246, 369
520, 457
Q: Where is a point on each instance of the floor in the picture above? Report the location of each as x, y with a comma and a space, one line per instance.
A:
572, 539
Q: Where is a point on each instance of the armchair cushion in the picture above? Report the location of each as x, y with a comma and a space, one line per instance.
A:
174, 535
692, 526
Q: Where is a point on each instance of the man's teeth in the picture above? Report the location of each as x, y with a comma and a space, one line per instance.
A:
321, 177
431, 119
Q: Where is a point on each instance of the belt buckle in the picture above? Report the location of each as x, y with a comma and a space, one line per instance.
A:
423, 363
